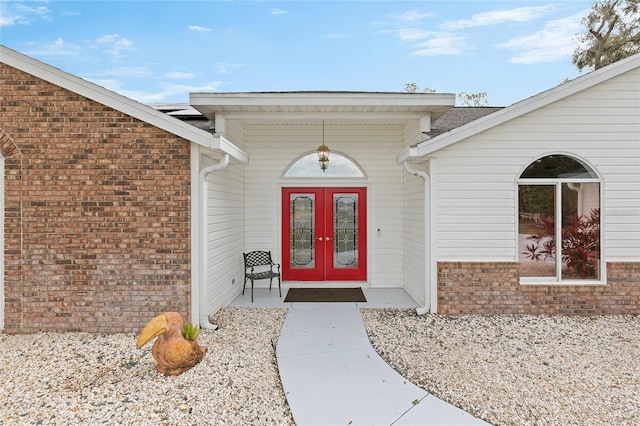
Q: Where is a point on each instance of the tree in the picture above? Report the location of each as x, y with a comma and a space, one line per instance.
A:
473, 99
413, 88
612, 33
467, 99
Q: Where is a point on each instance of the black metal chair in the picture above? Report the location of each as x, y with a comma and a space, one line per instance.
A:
258, 265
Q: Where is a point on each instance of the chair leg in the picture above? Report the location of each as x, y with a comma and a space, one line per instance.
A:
244, 285
270, 281
251, 291
279, 288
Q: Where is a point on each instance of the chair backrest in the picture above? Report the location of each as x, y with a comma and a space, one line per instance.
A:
257, 258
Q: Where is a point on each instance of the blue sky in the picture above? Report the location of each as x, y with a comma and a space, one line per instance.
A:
155, 51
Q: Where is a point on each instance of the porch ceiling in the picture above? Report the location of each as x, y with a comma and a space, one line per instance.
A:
333, 107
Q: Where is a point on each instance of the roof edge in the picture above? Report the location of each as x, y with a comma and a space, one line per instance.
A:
525, 106
109, 98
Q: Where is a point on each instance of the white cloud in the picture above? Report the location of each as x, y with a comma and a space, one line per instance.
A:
187, 88
413, 16
199, 28
335, 36
431, 43
521, 14
279, 12
115, 45
57, 48
179, 75
223, 68
412, 34
167, 91
21, 14
129, 72
554, 42
440, 44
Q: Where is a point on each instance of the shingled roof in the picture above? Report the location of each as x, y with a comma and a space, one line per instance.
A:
459, 116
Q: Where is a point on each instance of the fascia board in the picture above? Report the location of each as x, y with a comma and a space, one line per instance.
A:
226, 146
106, 97
249, 99
407, 154
523, 107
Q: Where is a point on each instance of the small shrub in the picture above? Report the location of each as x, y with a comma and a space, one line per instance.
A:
190, 331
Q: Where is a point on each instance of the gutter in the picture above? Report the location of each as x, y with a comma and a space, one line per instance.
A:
203, 318
427, 288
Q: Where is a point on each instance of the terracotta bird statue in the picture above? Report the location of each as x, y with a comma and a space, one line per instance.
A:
173, 353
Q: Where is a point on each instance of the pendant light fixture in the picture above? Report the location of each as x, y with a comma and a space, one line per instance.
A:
323, 153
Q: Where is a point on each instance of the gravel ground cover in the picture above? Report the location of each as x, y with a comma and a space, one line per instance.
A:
518, 370
507, 370
90, 379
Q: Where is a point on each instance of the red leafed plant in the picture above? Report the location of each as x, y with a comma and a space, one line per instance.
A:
580, 242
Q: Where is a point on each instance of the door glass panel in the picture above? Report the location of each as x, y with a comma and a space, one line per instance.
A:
345, 226
302, 230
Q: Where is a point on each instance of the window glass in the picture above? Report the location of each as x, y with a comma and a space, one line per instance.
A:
536, 230
557, 166
339, 166
559, 221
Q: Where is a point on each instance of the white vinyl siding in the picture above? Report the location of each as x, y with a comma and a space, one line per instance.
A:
476, 188
224, 236
272, 148
414, 236
413, 219
224, 230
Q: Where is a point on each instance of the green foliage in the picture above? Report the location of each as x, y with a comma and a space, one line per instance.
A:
612, 33
190, 331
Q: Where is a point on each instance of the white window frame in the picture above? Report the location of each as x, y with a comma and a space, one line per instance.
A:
557, 183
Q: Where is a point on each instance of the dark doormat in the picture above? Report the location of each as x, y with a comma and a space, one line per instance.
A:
325, 295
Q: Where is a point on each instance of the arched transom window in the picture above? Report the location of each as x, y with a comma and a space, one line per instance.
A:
340, 166
559, 221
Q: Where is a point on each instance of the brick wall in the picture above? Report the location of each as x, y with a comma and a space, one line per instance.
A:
97, 213
493, 288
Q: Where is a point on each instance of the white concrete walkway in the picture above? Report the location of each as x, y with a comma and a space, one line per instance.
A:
332, 376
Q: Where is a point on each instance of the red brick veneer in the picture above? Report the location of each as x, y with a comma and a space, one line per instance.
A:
494, 288
97, 213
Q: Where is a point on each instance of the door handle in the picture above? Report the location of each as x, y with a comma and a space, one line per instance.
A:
328, 238
320, 239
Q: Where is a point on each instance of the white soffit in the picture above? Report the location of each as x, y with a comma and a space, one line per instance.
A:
118, 102
291, 106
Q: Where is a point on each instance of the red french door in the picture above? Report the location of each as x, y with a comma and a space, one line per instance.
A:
324, 234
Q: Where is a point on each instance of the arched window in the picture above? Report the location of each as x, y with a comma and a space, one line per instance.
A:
340, 166
559, 221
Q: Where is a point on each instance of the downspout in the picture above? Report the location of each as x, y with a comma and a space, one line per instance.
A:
202, 179
427, 288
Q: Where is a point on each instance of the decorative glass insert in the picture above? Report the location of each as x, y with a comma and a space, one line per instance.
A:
302, 233
559, 220
345, 224
339, 166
